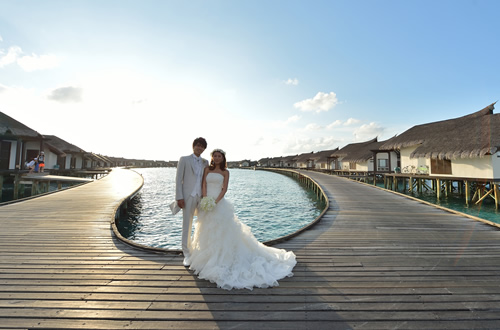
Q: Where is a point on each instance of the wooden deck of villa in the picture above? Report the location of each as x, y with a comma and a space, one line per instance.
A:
376, 260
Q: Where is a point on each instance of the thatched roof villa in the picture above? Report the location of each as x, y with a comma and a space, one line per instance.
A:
359, 157
305, 160
66, 155
18, 143
323, 160
464, 147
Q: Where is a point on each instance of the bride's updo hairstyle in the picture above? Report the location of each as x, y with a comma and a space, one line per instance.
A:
223, 165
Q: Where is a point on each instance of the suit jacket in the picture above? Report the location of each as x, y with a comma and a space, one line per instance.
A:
186, 176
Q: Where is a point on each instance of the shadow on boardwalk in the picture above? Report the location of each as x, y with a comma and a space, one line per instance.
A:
376, 260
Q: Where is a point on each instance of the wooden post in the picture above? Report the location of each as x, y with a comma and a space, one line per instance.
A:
438, 188
467, 192
16, 186
1, 186
495, 189
34, 184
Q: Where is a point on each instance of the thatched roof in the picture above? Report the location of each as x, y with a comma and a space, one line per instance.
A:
289, 158
275, 160
11, 127
322, 156
305, 157
62, 145
358, 152
474, 135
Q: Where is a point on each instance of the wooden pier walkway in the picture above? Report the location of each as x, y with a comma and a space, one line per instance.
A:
376, 260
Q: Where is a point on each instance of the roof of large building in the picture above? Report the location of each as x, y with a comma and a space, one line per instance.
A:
474, 135
61, 144
10, 126
358, 152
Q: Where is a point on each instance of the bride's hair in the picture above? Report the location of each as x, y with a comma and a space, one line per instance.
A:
223, 164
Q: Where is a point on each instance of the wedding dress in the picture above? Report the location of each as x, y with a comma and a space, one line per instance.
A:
224, 250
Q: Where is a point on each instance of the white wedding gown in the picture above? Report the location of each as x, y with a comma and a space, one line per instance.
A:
224, 250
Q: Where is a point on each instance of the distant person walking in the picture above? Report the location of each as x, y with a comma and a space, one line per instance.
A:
188, 190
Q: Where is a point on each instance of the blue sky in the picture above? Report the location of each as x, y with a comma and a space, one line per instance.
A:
142, 79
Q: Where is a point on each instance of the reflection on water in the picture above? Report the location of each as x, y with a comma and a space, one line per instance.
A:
273, 205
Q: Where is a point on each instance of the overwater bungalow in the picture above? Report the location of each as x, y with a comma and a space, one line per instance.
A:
323, 161
288, 161
63, 155
275, 162
263, 162
97, 161
18, 143
305, 160
365, 158
464, 147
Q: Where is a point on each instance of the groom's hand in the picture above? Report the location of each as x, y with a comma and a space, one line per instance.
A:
181, 203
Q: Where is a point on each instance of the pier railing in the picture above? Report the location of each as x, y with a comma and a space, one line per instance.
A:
19, 184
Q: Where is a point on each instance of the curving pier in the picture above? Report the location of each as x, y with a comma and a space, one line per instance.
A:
376, 260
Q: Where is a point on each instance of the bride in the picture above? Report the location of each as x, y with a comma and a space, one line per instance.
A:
224, 250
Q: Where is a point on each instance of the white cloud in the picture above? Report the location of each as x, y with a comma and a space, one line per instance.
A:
260, 141
292, 119
28, 63
66, 94
291, 81
368, 131
351, 121
11, 56
313, 127
336, 123
303, 145
35, 62
280, 124
1, 39
320, 102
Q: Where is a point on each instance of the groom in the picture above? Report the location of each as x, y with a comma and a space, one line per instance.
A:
188, 190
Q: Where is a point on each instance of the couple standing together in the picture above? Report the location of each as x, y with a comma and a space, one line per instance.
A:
222, 250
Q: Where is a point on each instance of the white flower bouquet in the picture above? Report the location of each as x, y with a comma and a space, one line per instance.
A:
207, 204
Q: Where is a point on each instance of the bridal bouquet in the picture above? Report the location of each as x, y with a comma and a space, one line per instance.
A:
207, 204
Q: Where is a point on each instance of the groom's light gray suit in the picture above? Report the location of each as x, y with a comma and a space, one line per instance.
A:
186, 181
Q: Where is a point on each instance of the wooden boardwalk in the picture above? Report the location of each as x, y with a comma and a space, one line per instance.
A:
376, 260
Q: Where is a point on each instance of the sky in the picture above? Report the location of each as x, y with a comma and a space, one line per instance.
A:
143, 79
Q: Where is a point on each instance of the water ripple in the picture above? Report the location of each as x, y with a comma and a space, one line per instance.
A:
273, 205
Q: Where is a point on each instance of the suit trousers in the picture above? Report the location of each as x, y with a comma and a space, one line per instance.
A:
187, 221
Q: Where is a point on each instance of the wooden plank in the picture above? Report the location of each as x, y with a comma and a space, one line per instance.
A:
388, 262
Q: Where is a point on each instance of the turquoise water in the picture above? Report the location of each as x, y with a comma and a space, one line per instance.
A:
485, 210
272, 204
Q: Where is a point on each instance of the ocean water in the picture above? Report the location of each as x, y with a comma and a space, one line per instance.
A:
454, 201
272, 204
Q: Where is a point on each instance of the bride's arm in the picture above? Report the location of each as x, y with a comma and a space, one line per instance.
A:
204, 183
224, 186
